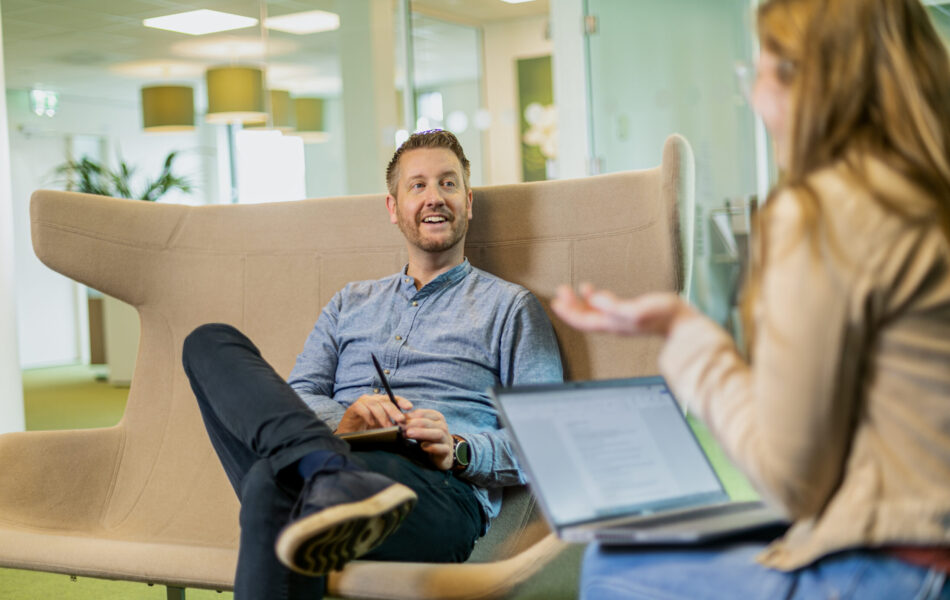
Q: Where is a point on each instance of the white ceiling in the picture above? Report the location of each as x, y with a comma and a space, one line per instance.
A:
83, 47
478, 12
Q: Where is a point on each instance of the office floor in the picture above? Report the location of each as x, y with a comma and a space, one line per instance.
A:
73, 398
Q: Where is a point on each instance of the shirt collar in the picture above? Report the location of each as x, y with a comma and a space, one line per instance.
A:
445, 280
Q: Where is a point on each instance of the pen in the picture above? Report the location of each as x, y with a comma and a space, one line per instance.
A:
382, 376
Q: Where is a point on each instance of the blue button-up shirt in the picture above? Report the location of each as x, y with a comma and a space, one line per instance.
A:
444, 345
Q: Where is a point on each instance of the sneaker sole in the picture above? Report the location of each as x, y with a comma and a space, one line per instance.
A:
327, 540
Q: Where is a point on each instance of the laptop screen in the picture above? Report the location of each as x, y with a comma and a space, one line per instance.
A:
601, 449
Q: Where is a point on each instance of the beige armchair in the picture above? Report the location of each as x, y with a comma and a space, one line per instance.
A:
147, 501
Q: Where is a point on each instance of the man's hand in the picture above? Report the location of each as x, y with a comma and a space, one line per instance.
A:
371, 411
599, 310
429, 427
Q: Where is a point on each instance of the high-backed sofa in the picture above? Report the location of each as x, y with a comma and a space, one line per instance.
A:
146, 500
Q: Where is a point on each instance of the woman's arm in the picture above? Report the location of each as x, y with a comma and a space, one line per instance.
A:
786, 420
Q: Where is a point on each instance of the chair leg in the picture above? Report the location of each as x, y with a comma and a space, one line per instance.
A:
174, 593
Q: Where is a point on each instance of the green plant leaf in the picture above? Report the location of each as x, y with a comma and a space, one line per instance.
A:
92, 177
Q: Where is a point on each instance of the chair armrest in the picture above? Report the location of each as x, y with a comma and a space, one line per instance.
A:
518, 526
57, 479
431, 581
105, 243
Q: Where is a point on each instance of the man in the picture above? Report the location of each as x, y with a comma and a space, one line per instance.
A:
444, 332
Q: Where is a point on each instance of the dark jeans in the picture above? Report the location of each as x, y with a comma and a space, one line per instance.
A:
260, 428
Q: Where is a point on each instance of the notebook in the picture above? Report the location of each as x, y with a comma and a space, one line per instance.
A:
379, 435
615, 461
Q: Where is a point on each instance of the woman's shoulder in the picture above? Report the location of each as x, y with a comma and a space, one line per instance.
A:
859, 197
870, 187
857, 214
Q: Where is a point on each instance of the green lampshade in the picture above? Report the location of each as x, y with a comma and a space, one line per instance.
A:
281, 113
235, 95
168, 108
309, 113
281, 110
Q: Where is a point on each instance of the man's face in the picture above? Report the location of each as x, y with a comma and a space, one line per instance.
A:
431, 207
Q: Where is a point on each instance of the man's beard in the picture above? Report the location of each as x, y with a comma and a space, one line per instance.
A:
414, 234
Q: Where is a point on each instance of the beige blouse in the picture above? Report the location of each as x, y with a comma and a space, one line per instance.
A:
843, 418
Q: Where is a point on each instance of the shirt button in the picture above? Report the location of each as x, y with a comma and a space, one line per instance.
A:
414, 303
375, 390
386, 371
407, 281
398, 337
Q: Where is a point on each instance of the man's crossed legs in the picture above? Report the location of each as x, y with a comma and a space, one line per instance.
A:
330, 507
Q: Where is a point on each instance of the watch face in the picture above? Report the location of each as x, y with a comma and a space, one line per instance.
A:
462, 453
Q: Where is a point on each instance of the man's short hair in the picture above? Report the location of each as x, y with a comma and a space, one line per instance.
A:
433, 138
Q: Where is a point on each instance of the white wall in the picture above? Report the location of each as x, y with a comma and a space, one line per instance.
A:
11, 388
48, 304
505, 42
569, 65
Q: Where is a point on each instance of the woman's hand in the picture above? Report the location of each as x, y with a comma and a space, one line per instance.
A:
600, 310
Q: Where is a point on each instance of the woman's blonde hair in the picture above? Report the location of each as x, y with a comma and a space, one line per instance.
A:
866, 78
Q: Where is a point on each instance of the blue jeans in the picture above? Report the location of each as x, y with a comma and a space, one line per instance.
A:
260, 428
731, 572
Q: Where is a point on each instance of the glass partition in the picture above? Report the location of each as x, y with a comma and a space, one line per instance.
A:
465, 71
447, 76
657, 68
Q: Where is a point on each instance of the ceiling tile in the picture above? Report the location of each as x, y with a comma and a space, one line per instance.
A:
119, 8
64, 16
12, 7
15, 29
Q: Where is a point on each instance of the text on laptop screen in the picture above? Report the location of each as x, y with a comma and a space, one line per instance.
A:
622, 447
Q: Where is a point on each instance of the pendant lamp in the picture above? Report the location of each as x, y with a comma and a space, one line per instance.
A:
309, 114
281, 113
235, 95
282, 110
168, 108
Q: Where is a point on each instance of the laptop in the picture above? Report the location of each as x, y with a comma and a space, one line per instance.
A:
615, 461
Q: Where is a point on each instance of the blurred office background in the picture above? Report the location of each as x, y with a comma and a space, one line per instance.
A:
536, 89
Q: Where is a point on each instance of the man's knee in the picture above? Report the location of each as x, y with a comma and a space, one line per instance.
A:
203, 341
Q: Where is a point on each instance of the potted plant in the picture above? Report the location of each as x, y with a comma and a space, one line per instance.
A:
92, 177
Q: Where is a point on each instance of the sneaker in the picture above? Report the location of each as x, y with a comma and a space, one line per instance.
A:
341, 515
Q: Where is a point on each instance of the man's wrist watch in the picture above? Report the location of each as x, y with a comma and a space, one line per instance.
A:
461, 454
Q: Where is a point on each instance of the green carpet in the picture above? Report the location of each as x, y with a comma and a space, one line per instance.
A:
30, 585
70, 398
736, 484
73, 398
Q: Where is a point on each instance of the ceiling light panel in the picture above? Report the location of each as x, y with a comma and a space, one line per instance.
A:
200, 22
159, 69
303, 23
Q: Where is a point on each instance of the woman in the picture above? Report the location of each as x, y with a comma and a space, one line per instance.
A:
841, 413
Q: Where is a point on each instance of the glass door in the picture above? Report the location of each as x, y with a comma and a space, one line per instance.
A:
658, 67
